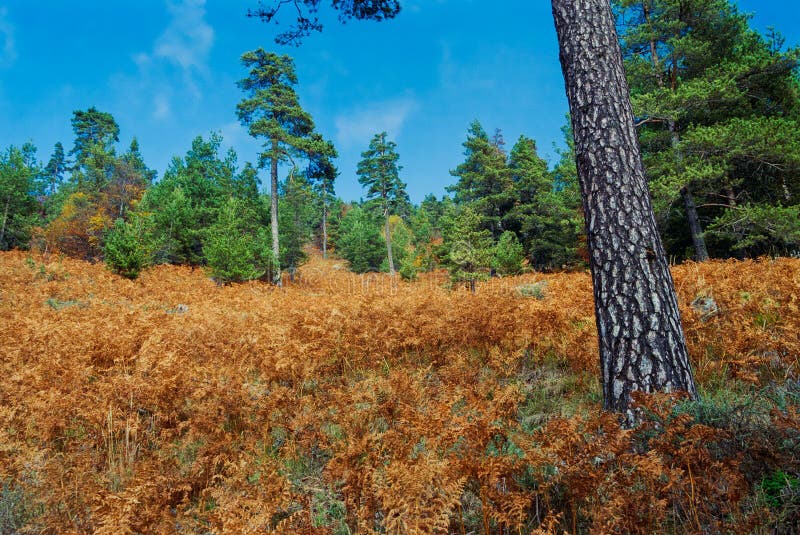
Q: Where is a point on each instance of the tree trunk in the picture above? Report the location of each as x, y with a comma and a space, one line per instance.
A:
325, 228
276, 248
389, 242
642, 346
700, 250
5, 219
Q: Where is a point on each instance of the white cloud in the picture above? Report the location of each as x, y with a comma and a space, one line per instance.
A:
8, 49
174, 66
161, 106
188, 38
360, 125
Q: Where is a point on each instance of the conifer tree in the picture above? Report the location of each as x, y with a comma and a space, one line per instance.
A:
96, 132
379, 173
359, 240
642, 345
271, 111
54, 171
186, 201
545, 215
18, 207
296, 216
322, 173
469, 248
696, 70
51, 180
484, 179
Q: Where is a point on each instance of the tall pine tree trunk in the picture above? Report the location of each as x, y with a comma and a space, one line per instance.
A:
700, 250
699, 242
276, 248
325, 227
642, 346
389, 241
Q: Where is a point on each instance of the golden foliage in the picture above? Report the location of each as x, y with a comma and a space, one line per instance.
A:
364, 403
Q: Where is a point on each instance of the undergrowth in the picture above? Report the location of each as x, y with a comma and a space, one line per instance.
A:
364, 404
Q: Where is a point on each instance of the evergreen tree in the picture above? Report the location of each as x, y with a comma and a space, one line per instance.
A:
128, 248
322, 173
96, 133
187, 200
425, 227
379, 173
245, 186
642, 345
236, 247
696, 65
484, 179
18, 206
469, 248
296, 217
359, 240
133, 158
508, 254
545, 215
272, 111
54, 171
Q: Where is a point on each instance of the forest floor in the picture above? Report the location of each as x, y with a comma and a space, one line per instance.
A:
346, 403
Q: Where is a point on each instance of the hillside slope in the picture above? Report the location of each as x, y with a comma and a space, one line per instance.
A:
169, 404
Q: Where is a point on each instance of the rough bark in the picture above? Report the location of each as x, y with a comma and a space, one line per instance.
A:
388, 232
642, 346
276, 248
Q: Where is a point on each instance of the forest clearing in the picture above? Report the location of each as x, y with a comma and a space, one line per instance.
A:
345, 403
229, 305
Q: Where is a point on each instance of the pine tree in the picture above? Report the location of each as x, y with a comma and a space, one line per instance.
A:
128, 248
296, 218
272, 111
322, 173
96, 133
695, 65
135, 160
379, 173
545, 215
18, 207
54, 171
642, 346
236, 247
484, 179
51, 180
508, 254
469, 248
359, 240
186, 201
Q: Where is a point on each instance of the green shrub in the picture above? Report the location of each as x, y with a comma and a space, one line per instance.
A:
360, 241
128, 248
408, 269
535, 290
235, 249
508, 254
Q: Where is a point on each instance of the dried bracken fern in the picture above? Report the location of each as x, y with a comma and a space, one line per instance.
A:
363, 403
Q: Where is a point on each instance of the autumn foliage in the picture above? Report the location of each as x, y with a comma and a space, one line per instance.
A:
346, 403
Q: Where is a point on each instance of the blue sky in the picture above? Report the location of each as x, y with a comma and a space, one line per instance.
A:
166, 70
